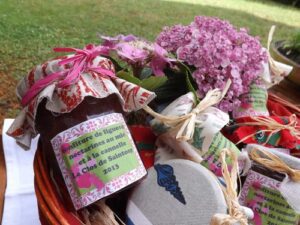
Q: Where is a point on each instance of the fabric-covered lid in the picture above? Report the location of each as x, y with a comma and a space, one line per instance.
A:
95, 79
176, 191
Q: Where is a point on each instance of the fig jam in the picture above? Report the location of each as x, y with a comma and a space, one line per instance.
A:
96, 159
260, 192
49, 124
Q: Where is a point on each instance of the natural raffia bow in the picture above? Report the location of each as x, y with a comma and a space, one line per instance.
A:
273, 162
273, 126
236, 212
81, 61
185, 125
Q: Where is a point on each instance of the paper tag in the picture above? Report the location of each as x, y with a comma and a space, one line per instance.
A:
97, 158
255, 103
261, 194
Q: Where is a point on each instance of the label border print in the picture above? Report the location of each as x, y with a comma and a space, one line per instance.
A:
114, 185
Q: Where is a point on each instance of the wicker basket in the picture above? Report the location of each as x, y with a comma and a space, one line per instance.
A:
53, 210
2, 178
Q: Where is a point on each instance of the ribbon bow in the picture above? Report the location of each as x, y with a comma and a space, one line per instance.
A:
273, 162
185, 125
235, 210
81, 61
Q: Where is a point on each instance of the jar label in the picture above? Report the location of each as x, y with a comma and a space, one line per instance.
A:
261, 194
97, 158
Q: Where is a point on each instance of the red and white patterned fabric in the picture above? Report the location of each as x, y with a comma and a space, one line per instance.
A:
65, 99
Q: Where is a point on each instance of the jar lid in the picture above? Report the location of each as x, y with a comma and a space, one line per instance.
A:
92, 75
176, 192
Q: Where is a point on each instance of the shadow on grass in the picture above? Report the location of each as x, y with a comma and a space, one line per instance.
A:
283, 3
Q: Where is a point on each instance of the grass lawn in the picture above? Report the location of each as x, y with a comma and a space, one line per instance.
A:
29, 29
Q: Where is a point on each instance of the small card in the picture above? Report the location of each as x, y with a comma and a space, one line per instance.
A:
97, 158
261, 194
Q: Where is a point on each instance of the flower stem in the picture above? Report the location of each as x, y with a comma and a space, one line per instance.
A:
136, 70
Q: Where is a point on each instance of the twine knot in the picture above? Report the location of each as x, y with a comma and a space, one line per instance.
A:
185, 125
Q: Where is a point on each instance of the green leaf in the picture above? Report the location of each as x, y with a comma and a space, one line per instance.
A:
117, 63
190, 82
128, 77
152, 83
191, 87
173, 88
146, 72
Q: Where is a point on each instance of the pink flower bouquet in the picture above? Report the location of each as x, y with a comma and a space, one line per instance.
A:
216, 51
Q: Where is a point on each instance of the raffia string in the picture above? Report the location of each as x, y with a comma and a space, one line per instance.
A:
295, 107
273, 162
278, 72
272, 126
185, 125
236, 212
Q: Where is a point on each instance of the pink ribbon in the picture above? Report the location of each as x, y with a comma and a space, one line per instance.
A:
81, 62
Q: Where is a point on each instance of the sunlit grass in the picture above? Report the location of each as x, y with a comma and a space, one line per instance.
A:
29, 29
265, 9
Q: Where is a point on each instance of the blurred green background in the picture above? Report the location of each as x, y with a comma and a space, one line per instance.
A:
29, 29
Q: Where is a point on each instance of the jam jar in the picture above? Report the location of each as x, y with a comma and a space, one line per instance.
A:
261, 193
96, 156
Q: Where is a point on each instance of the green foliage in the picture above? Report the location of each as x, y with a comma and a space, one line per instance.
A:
150, 83
190, 82
294, 42
129, 77
174, 87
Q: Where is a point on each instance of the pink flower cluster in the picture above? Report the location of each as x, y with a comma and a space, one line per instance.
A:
217, 52
138, 52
